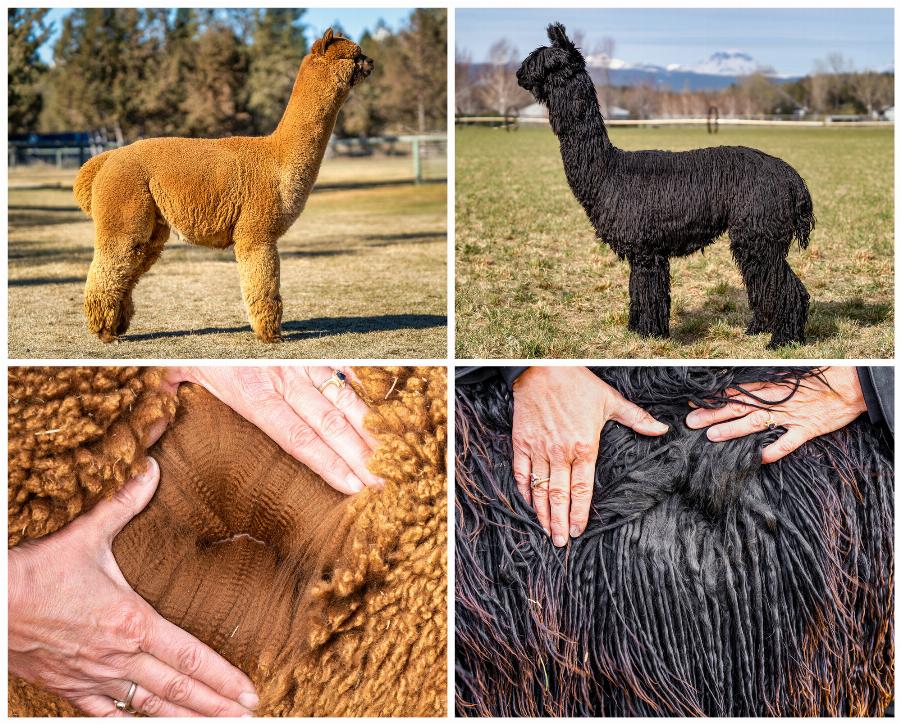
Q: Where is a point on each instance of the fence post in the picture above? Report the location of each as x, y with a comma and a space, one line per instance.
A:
417, 162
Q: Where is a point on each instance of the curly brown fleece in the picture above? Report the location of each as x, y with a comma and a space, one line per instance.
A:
245, 191
332, 605
76, 434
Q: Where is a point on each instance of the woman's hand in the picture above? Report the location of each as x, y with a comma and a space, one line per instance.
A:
323, 430
558, 415
816, 408
77, 628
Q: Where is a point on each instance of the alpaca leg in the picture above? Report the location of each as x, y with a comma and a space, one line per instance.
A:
649, 292
752, 276
119, 261
259, 268
154, 248
790, 311
779, 301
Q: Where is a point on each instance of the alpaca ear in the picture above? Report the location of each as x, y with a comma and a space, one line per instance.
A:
321, 45
557, 34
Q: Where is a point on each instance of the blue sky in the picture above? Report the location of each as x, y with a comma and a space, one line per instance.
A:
353, 20
790, 41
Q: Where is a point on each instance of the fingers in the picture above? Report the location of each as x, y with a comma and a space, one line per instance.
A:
164, 690
540, 499
110, 516
296, 437
347, 401
637, 418
560, 482
197, 662
704, 417
756, 421
332, 423
582, 493
784, 445
96, 705
143, 701
522, 473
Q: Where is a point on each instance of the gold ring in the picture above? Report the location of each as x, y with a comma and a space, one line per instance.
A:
537, 482
770, 423
126, 704
337, 378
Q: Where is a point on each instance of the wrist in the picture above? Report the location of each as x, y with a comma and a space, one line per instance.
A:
848, 386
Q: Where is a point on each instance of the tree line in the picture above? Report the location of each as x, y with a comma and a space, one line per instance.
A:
835, 87
138, 73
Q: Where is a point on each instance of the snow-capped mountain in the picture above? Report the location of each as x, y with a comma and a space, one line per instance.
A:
720, 70
726, 62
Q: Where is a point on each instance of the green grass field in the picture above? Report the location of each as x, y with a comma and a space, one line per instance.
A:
532, 281
363, 275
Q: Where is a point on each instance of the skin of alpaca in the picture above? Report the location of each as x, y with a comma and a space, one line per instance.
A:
241, 191
650, 206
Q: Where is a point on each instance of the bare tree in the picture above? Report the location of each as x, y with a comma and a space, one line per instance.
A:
868, 88
500, 90
466, 101
820, 86
602, 57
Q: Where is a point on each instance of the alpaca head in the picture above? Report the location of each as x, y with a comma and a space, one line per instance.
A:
552, 67
343, 58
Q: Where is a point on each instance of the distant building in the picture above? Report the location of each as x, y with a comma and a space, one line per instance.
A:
616, 113
536, 111
533, 112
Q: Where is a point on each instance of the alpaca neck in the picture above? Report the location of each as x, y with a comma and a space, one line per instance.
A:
302, 134
583, 142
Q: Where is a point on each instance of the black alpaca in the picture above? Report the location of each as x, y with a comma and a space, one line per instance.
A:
650, 206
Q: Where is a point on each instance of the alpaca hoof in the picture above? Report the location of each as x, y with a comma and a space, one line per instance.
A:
782, 341
756, 328
651, 333
108, 337
269, 338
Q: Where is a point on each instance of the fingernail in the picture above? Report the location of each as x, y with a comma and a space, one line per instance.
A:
354, 484
713, 434
248, 701
691, 419
574, 531
559, 540
149, 474
659, 426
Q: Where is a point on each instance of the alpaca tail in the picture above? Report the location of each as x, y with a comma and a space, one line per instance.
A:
804, 220
84, 181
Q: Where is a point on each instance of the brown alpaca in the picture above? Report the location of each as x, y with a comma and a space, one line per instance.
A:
245, 191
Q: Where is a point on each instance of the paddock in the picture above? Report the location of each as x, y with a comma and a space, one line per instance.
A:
533, 281
363, 274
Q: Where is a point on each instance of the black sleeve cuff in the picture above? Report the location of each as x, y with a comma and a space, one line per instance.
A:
511, 374
877, 384
471, 375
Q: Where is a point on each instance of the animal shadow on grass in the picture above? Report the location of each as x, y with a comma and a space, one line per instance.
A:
824, 316
24, 215
41, 281
729, 303
28, 254
317, 327
369, 241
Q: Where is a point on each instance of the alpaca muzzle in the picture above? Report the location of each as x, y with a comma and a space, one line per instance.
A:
523, 79
364, 67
